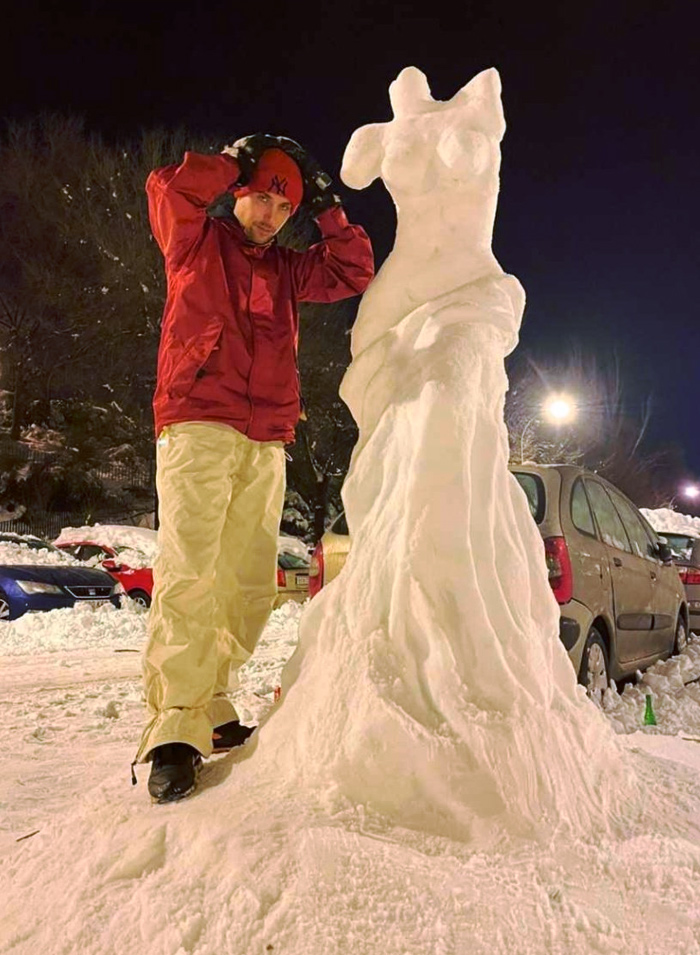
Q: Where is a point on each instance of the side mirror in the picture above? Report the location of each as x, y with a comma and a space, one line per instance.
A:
111, 566
663, 552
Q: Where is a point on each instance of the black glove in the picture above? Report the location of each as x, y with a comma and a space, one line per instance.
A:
323, 201
318, 195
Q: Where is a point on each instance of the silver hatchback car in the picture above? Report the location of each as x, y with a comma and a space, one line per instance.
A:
686, 557
622, 603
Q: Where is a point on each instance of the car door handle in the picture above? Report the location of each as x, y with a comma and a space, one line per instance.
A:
617, 562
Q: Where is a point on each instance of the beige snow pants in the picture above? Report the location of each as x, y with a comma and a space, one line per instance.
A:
215, 579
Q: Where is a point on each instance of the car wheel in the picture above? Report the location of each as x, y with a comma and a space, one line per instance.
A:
140, 597
681, 641
594, 674
5, 612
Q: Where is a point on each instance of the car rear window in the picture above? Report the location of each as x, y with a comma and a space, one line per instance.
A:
292, 562
581, 516
533, 486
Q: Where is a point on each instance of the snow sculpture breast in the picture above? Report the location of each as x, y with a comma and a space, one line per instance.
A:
430, 683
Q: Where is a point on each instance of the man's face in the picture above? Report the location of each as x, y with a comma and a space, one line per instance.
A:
262, 215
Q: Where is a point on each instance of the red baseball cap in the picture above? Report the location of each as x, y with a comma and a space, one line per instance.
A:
276, 172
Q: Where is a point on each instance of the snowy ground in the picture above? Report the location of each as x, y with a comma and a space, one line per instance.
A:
72, 710
89, 865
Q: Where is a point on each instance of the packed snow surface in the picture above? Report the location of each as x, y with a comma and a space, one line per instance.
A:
88, 866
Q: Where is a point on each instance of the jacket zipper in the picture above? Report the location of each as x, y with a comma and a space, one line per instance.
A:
252, 360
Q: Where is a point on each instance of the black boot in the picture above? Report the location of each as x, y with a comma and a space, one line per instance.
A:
174, 770
229, 735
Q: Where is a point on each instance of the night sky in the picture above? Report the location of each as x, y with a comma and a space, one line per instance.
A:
600, 181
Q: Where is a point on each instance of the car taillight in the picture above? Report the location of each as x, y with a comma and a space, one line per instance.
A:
316, 570
561, 578
689, 575
281, 578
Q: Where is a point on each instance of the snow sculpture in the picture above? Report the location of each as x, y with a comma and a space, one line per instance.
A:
430, 683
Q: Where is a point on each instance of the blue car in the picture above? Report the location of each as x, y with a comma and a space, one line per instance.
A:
27, 587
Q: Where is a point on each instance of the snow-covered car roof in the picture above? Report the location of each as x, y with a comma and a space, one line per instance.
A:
664, 520
118, 536
27, 549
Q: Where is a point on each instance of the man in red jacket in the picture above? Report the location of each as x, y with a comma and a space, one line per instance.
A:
226, 401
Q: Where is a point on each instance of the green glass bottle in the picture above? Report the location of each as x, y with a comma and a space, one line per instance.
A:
649, 716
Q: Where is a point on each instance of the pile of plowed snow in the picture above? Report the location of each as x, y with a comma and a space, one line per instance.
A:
79, 627
663, 519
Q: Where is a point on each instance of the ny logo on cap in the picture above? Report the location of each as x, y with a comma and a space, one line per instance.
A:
278, 185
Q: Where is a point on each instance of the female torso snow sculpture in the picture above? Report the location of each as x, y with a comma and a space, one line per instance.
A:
430, 683
440, 163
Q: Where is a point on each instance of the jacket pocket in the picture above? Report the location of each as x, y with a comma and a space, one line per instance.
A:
194, 355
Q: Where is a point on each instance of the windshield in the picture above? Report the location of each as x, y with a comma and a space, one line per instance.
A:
292, 562
534, 492
33, 543
681, 545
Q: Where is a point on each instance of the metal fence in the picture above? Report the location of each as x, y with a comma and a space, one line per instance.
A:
133, 483
49, 524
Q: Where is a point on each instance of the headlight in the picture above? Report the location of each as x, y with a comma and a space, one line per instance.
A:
118, 590
37, 587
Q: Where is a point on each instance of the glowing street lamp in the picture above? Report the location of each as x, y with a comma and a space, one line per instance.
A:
557, 409
691, 491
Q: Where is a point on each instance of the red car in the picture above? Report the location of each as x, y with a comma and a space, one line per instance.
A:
114, 557
127, 553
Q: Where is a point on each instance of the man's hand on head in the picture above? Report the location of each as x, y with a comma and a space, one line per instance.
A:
323, 201
318, 195
245, 168
247, 152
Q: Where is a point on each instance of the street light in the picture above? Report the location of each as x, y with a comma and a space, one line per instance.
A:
558, 409
691, 491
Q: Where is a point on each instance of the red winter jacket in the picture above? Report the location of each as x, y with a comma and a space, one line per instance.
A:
230, 327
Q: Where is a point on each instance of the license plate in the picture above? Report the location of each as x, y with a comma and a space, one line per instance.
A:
302, 580
93, 604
